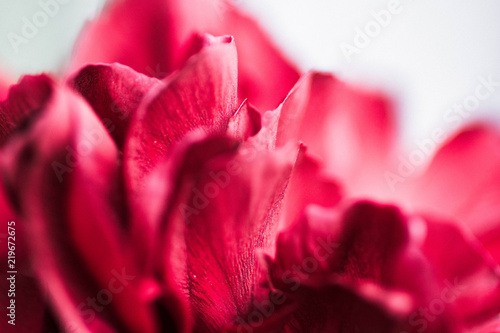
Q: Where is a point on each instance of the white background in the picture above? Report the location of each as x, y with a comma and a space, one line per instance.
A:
428, 57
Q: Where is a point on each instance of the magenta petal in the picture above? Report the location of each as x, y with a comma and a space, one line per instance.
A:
29, 296
224, 206
24, 101
245, 122
265, 76
471, 278
349, 129
114, 92
202, 95
62, 172
308, 186
462, 182
4, 87
153, 37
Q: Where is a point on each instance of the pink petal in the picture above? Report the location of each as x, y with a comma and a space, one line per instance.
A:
402, 266
21, 106
29, 297
5, 83
246, 122
114, 92
265, 75
462, 182
202, 95
63, 174
468, 275
349, 129
153, 37
223, 207
308, 186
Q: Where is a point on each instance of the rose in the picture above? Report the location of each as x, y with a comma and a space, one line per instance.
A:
214, 218
341, 266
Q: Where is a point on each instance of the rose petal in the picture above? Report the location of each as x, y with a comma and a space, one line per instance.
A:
246, 122
20, 105
62, 172
29, 297
4, 87
201, 95
159, 39
469, 277
347, 128
265, 75
223, 207
114, 92
308, 186
462, 183
368, 250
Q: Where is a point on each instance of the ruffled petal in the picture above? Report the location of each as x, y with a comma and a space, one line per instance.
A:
463, 180
114, 92
265, 75
28, 295
202, 95
349, 129
229, 210
4, 87
159, 39
21, 105
245, 123
469, 279
62, 173
419, 273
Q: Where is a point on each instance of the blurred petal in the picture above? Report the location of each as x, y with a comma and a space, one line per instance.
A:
63, 174
28, 295
349, 129
153, 37
308, 186
265, 76
459, 260
114, 92
4, 87
24, 101
201, 95
462, 183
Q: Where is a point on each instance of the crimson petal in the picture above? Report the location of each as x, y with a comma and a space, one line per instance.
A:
19, 106
201, 95
462, 183
114, 92
347, 128
159, 39
61, 172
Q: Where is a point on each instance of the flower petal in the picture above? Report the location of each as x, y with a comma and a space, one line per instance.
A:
114, 91
159, 39
223, 207
24, 101
28, 295
349, 129
462, 183
308, 186
246, 122
4, 87
62, 174
265, 75
470, 279
202, 95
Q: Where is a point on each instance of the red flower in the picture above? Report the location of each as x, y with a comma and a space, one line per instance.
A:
165, 205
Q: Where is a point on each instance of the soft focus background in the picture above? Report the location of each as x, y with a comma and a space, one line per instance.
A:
428, 55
